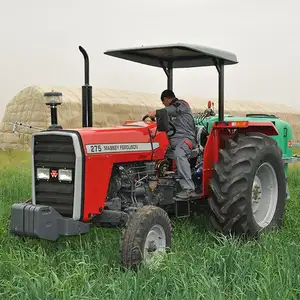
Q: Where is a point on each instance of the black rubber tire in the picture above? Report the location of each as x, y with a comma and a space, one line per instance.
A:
232, 180
136, 231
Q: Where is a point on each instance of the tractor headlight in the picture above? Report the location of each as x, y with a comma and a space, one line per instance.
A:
42, 173
65, 175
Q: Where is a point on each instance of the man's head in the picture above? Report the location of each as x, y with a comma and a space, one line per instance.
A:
167, 96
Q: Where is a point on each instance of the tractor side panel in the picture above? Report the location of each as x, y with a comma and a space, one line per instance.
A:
103, 150
283, 137
210, 157
218, 134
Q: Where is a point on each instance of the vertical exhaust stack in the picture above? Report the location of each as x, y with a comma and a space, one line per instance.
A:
87, 104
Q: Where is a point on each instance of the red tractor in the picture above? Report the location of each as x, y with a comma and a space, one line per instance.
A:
120, 176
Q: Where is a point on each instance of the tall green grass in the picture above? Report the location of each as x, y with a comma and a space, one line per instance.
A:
201, 265
296, 151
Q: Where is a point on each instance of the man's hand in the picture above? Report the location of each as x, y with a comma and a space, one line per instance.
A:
151, 114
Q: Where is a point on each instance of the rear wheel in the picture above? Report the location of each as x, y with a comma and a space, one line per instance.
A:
248, 186
147, 234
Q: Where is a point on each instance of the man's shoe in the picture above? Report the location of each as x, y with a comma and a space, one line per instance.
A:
186, 194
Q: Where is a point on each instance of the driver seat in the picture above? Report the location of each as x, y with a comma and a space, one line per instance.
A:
198, 148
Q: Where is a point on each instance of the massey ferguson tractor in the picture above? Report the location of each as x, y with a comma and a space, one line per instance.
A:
121, 176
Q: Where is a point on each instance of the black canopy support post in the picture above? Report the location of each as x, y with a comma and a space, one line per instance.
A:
164, 68
87, 95
169, 72
221, 92
220, 68
170, 77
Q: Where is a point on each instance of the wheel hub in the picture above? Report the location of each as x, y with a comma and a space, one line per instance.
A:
264, 194
151, 247
155, 242
256, 192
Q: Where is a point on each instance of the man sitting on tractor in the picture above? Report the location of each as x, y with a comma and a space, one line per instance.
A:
184, 140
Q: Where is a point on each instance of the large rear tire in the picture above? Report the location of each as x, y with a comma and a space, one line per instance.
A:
148, 233
248, 186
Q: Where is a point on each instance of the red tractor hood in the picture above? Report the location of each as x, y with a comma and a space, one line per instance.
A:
132, 137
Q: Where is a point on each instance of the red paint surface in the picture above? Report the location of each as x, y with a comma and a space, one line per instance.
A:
99, 166
215, 141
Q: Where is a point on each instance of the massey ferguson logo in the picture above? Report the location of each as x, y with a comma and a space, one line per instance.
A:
54, 173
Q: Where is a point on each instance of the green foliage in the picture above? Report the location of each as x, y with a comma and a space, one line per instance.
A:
296, 151
202, 265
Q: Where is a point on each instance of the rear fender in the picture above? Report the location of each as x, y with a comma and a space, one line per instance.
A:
222, 131
266, 127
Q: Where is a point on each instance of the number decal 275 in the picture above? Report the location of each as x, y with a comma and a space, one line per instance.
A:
95, 148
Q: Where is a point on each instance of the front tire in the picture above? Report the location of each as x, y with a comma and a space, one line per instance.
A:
147, 234
248, 186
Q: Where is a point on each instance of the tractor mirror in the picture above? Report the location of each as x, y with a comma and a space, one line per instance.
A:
162, 120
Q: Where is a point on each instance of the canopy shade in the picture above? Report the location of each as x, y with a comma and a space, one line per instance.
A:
181, 55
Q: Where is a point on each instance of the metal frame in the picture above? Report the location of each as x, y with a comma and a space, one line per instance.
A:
181, 55
169, 72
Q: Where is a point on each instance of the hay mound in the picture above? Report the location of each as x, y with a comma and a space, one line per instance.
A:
110, 107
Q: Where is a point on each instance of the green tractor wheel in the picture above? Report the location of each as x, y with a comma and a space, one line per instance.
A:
248, 186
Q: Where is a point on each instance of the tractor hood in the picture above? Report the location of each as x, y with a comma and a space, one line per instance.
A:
130, 131
129, 138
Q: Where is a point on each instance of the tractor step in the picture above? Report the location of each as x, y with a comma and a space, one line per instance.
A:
197, 197
182, 208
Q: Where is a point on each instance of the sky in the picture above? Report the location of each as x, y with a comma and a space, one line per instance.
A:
40, 39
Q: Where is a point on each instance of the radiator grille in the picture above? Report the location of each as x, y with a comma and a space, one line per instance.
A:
55, 152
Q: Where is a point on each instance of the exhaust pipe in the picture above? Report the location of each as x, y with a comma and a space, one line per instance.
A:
87, 105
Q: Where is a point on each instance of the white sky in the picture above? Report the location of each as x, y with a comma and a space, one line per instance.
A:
40, 39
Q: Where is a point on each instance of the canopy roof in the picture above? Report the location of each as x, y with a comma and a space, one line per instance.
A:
181, 55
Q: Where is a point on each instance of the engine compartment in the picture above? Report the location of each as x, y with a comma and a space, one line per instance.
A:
147, 182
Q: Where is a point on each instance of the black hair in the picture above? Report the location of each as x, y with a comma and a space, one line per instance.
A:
167, 94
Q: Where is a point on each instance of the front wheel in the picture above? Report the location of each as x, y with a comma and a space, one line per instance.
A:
148, 233
248, 186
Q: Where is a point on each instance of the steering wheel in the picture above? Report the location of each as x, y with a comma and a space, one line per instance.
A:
146, 117
170, 133
172, 130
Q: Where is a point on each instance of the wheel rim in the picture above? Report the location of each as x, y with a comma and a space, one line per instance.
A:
155, 243
264, 194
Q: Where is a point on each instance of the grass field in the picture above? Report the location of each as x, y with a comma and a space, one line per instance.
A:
200, 266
